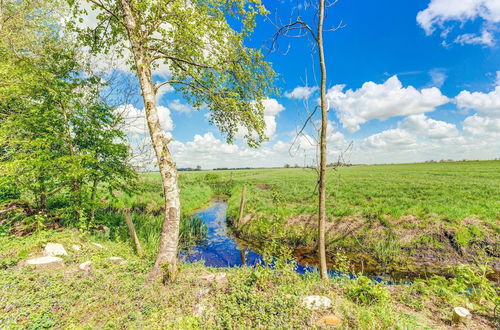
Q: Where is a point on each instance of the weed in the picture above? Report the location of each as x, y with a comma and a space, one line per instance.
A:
363, 290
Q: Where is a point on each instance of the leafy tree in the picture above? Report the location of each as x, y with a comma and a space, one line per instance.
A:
208, 63
58, 139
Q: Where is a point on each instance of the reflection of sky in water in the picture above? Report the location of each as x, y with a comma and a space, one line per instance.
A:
221, 250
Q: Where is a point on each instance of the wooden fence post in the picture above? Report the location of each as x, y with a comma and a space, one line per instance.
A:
242, 203
133, 233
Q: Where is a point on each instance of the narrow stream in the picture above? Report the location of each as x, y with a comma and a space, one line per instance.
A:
221, 249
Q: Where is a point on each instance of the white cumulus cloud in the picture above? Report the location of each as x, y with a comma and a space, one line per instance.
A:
485, 38
390, 139
482, 126
271, 109
381, 101
301, 92
423, 126
177, 105
438, 12
484, 103
134, 120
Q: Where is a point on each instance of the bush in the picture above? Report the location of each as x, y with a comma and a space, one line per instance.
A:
364, 291
9, 192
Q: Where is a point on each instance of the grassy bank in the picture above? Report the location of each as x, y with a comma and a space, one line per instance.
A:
432, 213
117, 295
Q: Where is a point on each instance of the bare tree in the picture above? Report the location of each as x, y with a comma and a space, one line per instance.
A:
299, 28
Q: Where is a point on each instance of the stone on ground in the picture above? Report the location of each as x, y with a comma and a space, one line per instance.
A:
116, 260
460, 315
85, 266
216, 278
329, 319
316, 302
45, 262
76, 247
201, 293
97, 245
55, 249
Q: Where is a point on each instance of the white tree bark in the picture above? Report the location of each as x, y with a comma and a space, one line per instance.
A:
169, 239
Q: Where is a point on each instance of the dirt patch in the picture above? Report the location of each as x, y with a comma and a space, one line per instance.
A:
263, 186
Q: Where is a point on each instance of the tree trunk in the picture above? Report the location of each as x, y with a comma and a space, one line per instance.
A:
242, 205
133, 233
169, 238
92, 200
76, 184
322, 164
43, 196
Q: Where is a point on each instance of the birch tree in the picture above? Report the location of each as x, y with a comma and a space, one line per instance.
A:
208, 64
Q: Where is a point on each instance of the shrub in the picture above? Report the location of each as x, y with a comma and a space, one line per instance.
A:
9, 192
364, 291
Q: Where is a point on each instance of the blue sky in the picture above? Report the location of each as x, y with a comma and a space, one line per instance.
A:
419, 83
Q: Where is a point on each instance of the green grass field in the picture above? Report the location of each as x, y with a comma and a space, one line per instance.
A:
391, 212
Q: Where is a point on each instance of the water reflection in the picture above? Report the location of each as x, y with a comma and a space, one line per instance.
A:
220, 248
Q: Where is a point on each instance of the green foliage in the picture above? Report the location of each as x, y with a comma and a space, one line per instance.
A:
469, 286
232, 82
192, 231
465, 236
408, 205
262, 297
58, 138
9, 192
474, 281
364, 291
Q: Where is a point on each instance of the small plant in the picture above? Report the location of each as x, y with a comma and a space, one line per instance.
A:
341, 262
474, 281
169, 272
9, 192
192, 231
364, 291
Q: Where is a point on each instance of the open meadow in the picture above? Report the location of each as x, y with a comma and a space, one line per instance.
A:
392, 217
402, 209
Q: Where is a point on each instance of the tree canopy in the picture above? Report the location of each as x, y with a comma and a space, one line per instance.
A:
201, 45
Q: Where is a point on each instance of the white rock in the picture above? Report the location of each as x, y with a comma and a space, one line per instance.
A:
55, 249
198, 310
97, 245
316, 302
85, 266
45, 262
76, 247
202, 293
116, 260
